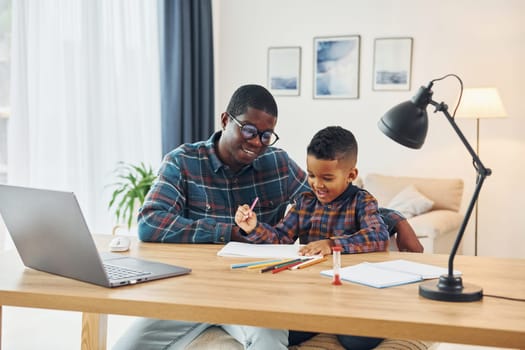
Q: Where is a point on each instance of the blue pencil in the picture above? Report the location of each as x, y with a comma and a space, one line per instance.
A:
241, 265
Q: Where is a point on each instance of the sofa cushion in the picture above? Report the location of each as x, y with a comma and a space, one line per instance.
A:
435, 223
410, 202
446, 193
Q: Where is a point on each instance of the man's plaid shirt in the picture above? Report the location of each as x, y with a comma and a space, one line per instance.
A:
195, 197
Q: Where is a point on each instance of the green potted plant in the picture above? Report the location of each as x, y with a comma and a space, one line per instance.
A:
130, 190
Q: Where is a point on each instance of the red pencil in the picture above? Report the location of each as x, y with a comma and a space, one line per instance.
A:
286, 267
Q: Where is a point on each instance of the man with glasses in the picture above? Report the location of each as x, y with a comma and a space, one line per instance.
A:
195, 198
200, 185
196, 195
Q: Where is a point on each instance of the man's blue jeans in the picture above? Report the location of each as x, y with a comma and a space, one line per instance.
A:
153, 334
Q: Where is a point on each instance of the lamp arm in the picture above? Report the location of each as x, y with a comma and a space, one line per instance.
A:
482, 173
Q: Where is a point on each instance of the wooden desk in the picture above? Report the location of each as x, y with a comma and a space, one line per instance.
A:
300, 299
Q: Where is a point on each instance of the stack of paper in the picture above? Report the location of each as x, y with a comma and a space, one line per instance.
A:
389, 273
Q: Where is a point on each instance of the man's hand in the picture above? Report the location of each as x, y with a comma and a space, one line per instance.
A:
323, 247
406, 238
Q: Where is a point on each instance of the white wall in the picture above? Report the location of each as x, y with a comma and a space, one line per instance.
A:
482, 41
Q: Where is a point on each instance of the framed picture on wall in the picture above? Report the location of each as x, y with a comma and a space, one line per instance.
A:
336, 67
392, 63
284, 70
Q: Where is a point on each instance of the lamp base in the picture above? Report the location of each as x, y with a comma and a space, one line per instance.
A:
450, 288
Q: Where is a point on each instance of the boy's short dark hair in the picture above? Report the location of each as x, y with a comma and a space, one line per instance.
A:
333, 143
254, 96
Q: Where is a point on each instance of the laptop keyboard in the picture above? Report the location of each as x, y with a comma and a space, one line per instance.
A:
119, 272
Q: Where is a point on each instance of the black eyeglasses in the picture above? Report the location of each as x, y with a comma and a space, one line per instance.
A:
250, 131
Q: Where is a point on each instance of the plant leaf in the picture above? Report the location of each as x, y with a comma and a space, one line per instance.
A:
132, 187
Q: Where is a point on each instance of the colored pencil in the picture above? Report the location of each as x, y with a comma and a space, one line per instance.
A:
254, 202
276, 266
286, 267
310, 263
241, 265
262, 265
251, 208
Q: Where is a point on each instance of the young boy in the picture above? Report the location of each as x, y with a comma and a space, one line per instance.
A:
335, 212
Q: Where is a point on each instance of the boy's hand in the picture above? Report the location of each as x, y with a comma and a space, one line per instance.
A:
245, 218
323, 247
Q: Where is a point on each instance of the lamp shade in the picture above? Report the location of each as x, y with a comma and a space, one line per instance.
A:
407, 123
481, 103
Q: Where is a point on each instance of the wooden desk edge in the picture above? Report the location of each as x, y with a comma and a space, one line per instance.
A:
94, 323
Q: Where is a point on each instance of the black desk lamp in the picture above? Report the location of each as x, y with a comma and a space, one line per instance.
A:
407, 124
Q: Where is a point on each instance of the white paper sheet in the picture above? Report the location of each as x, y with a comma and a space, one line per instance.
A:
244, 250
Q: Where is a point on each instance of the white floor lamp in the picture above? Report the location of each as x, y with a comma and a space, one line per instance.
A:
480, 103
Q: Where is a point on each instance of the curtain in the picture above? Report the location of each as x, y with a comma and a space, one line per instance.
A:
186, 63
85, 94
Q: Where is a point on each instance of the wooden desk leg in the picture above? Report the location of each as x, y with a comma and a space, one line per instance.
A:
94, 331
0, 327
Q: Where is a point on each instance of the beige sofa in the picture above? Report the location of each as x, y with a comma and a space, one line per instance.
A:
434, 201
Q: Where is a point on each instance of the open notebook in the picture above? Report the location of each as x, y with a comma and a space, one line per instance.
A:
389, 273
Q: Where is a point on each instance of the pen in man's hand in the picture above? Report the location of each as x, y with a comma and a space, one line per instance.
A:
251, 207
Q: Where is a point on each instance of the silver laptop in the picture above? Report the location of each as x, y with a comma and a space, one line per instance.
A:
51, 235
